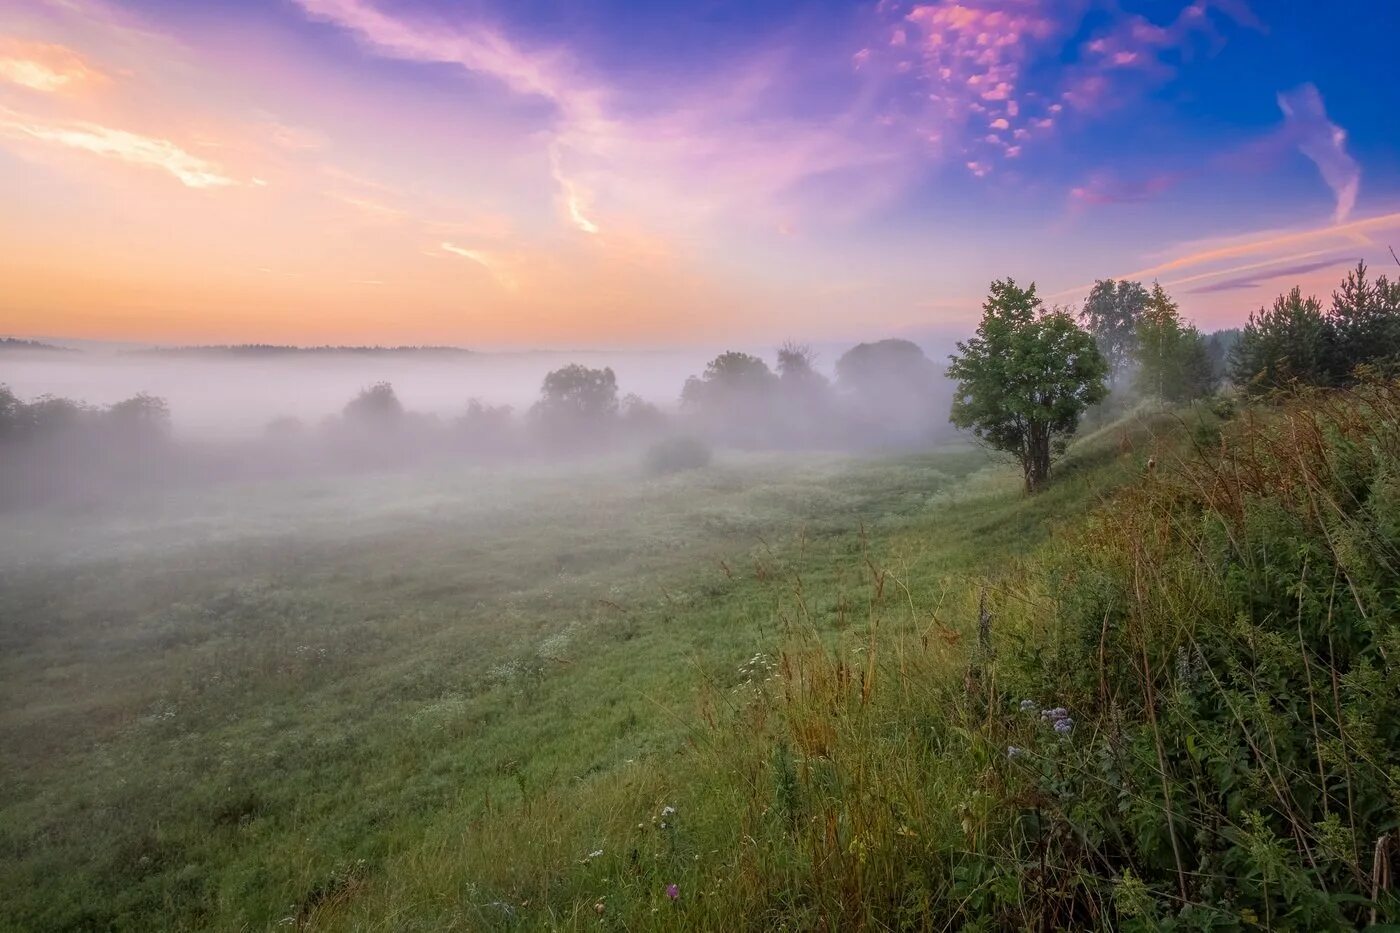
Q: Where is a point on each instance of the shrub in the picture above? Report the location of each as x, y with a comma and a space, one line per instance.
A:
675, 454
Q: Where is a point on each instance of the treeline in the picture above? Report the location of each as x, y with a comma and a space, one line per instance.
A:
15, 343
885, 394
1030, 374
51, 447
1022, 384
275, 349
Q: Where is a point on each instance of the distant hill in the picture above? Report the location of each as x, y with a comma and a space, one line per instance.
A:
15, 343
267, 349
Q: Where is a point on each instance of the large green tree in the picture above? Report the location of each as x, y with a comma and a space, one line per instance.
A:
1026, 378
1111, 314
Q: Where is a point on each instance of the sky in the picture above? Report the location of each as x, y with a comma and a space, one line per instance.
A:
604, 173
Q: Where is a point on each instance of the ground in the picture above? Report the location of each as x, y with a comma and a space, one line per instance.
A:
392, 699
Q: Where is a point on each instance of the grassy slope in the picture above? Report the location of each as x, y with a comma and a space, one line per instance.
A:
428, 713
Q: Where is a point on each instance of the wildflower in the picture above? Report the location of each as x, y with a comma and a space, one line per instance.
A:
1028, 706
673, 891
667, 810
1013, 751
596, 853
1063, 726
1056, 714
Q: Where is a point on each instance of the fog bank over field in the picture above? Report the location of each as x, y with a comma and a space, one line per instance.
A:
222, 393
230, 395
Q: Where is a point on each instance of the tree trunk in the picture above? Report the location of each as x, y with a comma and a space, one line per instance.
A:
1037, 461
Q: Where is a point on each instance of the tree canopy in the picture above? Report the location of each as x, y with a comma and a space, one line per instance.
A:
1111, 314
1026, 378
1173, 361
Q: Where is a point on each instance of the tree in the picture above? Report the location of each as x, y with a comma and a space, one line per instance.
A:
577, 403
730, 375
376, 405
1220, 346
141, 416
1026, 378
10, 412
1174, 364
893, 392
733, 399
1111, 314
640, 417
806, 405
1366, 319
1293, 340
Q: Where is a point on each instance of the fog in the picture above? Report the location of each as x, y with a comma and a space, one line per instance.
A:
222, 396
97, 424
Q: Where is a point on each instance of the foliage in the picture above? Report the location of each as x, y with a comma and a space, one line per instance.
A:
1297, 341
733, 399
1290, 341
892, 392
577, 404
1173, 360
1111, 314
1025, 379
376, 406
1365, 318
782, 695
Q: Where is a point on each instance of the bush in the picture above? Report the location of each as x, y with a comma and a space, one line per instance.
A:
675, 454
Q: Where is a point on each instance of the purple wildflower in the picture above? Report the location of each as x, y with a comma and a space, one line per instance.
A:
1028, 706
673, 891
1063, 726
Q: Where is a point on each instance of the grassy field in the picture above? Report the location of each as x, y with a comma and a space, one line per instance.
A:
777, 693
229, 709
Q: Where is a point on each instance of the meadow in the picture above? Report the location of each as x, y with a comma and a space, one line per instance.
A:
223, 709
777, 693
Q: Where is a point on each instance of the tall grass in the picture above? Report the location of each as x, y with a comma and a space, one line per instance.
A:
1216, 644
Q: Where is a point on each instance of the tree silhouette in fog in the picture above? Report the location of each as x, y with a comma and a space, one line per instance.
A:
733, 399
142, 415
376, 405
577, 404
892, 391
807, 409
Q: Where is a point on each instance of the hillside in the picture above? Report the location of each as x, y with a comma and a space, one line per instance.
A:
809, 696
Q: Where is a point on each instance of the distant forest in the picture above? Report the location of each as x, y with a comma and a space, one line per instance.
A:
270, 349
15, 343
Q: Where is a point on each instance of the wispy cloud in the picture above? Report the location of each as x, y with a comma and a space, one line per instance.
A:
498, 266
44, 67
1105, 188
1245, 282
618, 155
104, 141
1322, 141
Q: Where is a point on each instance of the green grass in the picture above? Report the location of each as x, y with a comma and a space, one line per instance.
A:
219, 708
423, 701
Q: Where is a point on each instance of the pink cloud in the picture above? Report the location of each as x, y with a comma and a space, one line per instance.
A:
44, 67
117, 144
